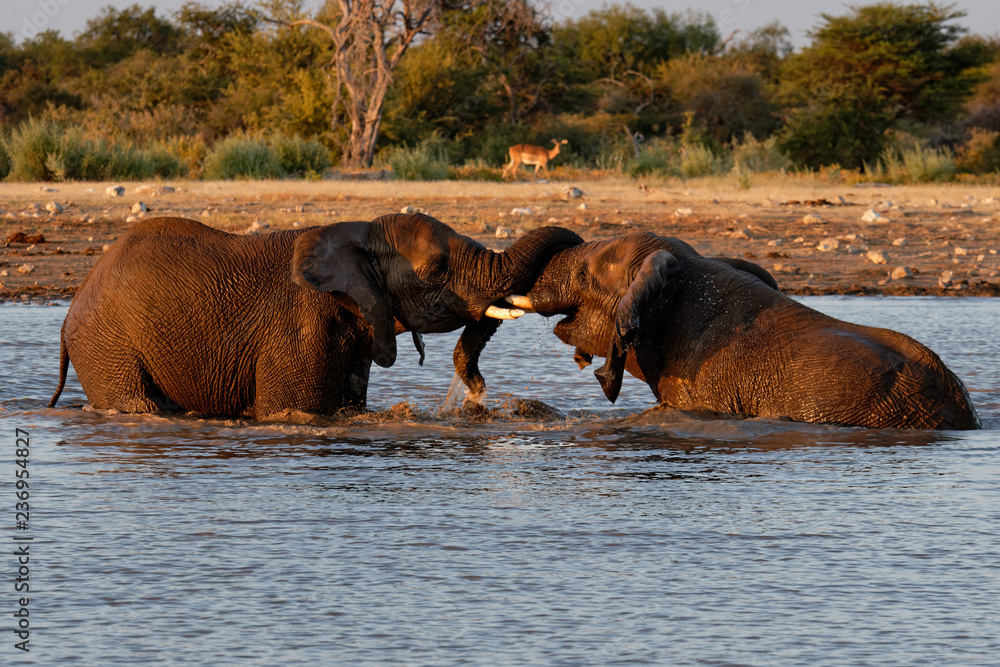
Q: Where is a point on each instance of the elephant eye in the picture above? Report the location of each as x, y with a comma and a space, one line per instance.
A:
435, 270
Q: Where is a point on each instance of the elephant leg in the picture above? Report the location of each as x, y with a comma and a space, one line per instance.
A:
466, 357
125, 386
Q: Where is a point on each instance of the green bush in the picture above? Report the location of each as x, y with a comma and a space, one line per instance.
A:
916, 165
29, 147
164, 164
4, 160
696, 160
421, 163
659, 156
76, 159
752, 156
300, 156
242, 157
979, 155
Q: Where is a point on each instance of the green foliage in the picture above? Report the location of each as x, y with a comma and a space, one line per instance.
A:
241, 156
4, 160
609, 41
425, 162
914, 165
979, 155
752, 156
983, 106
847, 132
726, 98
45, 151
866, 71
29, 147
136, 94
659, 157
299, 156
115, 34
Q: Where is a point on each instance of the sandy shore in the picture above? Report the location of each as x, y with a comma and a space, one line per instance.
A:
814, 237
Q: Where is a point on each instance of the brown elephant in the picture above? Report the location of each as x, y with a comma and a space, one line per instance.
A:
716, 334
180, 316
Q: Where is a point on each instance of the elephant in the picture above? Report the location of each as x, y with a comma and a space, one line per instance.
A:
716, 334
178, 316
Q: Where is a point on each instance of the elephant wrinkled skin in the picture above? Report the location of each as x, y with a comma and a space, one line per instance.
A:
716, 334
179, 316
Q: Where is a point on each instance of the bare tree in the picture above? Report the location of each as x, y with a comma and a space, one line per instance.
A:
370, 37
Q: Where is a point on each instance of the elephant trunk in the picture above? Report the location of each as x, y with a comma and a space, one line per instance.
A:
515, 270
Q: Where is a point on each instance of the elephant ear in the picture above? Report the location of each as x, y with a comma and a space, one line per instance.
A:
753, 269
641, 293
334, 259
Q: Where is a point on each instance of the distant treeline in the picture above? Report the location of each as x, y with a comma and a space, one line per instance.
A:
899, 91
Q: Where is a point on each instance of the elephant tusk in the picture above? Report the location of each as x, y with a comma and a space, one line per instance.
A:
504, 313
522, 302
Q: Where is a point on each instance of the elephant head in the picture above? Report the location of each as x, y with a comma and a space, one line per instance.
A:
716, 334
410, 272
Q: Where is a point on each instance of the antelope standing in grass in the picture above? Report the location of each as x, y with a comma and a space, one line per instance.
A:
531, 155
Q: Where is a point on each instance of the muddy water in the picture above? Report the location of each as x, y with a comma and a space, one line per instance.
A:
599, 535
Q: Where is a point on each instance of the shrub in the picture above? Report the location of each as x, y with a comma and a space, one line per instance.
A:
696, 160
190, 152
915, 165
29, 147
4, 160
242, 157
658, 157
300, 156
753, 156
76, 159
925, 165
979, 155
421, 163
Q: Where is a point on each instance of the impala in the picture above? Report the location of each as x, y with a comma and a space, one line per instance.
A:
531, 155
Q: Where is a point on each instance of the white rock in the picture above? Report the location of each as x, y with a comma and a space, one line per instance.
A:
114, 191
522, 211
4, 274
683, 211
410, 209
54, 207
572, 192
962, 252
741, 234
900, 242
944, 280
871, 216
503, 232
26, 268
139, 207
811, 219
828, 245
775, 242
132, 218
257, 227
583, 207
901, 273
877, 257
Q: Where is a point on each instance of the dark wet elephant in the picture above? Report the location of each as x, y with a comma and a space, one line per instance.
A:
180, 316
716, 334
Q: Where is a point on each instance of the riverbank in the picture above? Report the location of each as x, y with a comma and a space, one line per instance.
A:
815, 238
